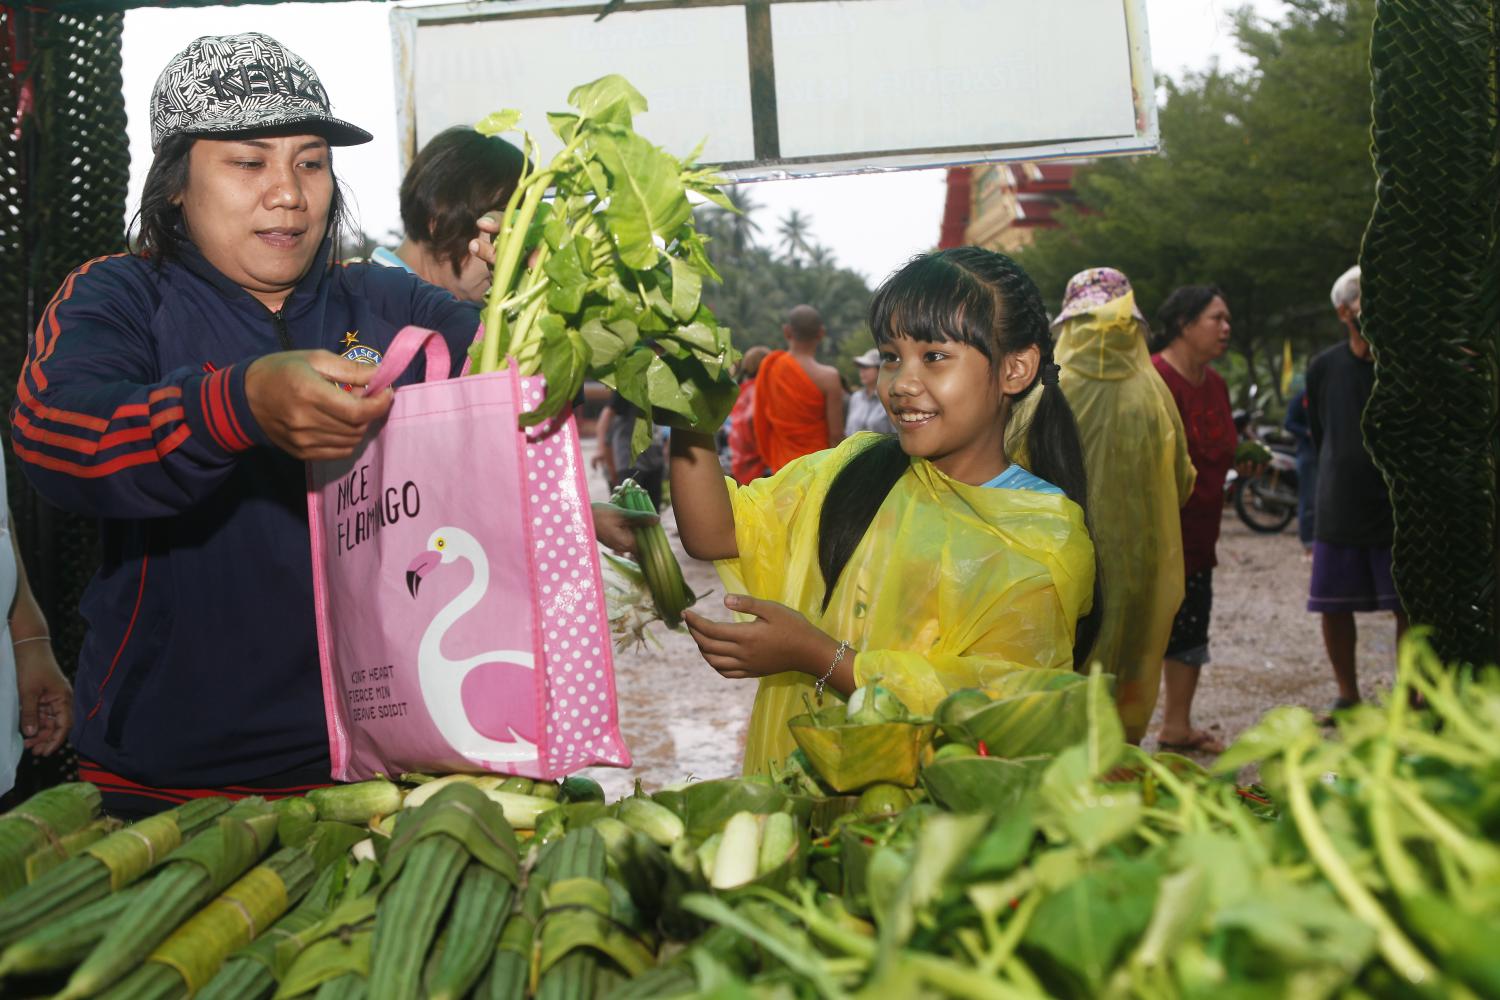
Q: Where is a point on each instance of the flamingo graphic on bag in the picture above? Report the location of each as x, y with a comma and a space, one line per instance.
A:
461, 616
482, 704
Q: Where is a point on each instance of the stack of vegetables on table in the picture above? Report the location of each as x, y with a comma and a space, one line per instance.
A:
1010, 846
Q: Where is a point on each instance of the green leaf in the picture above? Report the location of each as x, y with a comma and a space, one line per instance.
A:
664, 389
609, 99
693, 242
1300, 925
604, 346
687, 289
555, 230
1106, 736
498, 122
630, 378
562, 361
640, 436
646, 198
655, 298
569, 277
1179, 916
564, 125
1078, 808
1280, 729
1083, 926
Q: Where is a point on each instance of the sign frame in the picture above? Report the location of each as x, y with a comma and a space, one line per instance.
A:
768, 163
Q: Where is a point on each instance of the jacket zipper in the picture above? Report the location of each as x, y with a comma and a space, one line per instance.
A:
281, 332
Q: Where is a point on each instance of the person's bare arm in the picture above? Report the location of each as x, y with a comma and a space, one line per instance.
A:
45, 695
705, 517
833, 395
604, 457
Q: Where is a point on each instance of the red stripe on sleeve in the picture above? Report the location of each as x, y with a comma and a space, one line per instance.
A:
165, 447
234, 420
205, 406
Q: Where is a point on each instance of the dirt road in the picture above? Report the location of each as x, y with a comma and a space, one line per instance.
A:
681, 719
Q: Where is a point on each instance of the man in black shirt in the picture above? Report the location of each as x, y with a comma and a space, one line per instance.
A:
1352, 521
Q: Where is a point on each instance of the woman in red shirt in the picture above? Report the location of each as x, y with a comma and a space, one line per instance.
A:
1194, 330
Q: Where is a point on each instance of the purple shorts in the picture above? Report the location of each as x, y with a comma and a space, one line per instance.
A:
1351, 578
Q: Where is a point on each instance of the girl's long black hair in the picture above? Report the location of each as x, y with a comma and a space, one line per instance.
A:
984, 299
157, 230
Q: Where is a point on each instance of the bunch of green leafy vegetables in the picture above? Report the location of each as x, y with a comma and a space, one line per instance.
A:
1371, 868
599, 272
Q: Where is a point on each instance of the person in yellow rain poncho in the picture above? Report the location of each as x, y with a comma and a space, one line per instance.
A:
926, 558
1139, 475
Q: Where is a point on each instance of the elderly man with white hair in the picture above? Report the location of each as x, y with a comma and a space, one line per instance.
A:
1351, 569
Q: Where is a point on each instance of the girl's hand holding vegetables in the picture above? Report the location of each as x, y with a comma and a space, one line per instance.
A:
778, 640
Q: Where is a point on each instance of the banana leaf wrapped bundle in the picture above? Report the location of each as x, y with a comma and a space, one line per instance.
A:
851, 751
1021, 714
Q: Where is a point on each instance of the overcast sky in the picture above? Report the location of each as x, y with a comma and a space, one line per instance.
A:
872, 222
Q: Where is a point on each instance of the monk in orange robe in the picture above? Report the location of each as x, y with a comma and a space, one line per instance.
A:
799, 401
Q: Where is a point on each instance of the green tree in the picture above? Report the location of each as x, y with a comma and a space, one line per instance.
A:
795, 230
1263, 186
760, 288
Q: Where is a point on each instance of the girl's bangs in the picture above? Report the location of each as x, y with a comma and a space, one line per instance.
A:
933, 300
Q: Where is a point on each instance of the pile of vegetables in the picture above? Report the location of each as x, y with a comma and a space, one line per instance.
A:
599, 274
1006, 864
604, 280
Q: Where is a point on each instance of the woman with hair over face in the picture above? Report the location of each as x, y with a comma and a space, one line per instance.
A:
175, 393
458, 177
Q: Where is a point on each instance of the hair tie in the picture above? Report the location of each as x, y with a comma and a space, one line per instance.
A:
1049, 373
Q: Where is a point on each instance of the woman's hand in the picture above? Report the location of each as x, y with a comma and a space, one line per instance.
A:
779, 639
296, 399
483, 245
615, 526
46, 698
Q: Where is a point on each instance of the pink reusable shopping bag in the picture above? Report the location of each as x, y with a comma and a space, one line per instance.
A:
461, 615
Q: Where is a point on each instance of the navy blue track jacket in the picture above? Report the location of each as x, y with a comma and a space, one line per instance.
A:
200, 664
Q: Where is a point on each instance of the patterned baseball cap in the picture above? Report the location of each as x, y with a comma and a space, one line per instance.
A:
1087, 290
239, 84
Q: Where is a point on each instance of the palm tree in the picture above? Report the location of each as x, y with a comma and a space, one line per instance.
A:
742, 228
795, 230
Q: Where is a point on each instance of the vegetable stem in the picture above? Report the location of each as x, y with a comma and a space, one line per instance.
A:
1405, 959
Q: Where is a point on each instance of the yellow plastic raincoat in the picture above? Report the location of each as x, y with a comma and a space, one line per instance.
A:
952, 584
1140, 475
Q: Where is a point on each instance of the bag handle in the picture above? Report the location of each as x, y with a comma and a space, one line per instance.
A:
403, 350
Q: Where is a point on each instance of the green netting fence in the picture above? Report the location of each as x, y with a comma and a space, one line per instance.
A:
64, 171
1431, 284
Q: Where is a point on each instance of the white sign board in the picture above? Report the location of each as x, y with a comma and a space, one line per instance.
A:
779, 88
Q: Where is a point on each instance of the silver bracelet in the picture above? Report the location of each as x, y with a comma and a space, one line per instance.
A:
838, 658
35, 638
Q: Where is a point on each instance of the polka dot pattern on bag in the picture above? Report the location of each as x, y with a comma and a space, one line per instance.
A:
582, 713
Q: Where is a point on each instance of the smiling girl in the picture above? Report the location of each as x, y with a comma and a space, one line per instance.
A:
925, 558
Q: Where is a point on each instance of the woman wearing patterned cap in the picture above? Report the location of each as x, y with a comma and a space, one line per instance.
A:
1139, 476
175, 392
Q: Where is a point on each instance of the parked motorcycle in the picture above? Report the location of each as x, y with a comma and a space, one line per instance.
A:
1267, 501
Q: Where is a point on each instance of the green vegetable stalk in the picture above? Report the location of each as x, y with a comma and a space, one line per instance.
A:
669, 592
605, 279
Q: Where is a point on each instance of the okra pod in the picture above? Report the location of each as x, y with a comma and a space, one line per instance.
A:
480, 906
407, 920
